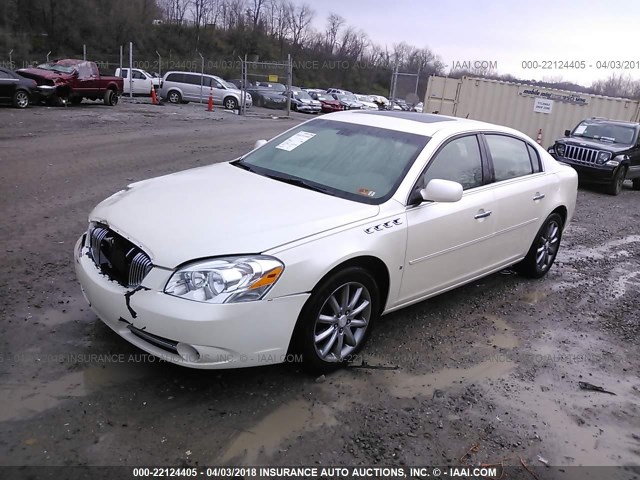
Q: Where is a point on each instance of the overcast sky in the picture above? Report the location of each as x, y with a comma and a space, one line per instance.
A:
507, 32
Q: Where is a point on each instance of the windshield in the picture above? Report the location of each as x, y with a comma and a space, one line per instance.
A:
56, 68
364, 98
358, 162
606, 132
324, 97
301, 95
228, 84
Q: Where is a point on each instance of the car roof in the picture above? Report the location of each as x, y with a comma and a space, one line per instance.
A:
419, 123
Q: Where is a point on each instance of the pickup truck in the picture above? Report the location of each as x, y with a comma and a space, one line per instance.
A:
72, 81
141, 80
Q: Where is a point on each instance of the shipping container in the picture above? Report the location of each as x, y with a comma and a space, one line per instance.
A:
527, 108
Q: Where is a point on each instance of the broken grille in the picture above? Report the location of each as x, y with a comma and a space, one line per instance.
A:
586, 156
117, 257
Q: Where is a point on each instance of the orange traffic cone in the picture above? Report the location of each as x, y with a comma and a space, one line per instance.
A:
210, 104
539, 139
154, 98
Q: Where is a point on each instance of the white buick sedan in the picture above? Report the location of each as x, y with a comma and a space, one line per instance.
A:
302, 244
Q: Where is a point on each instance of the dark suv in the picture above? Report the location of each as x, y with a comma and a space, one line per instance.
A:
602, 151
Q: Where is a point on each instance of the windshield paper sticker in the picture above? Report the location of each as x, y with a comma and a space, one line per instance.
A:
295, 141
580, 129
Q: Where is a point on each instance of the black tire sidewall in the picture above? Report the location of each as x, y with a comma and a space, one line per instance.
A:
616, 186
15, 98
304, 333
529, 267
235, 103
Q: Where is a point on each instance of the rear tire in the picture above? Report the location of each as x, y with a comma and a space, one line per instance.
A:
230, 103
543, 250
636, 183
76, 100
336, 321
615, 187
21, 99
110, 98
174, 97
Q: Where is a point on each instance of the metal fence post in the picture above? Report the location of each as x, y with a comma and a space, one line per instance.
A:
84, 52
201, 77
121, 55
159, 64
289, 75
130, 69
48, 56
10, 60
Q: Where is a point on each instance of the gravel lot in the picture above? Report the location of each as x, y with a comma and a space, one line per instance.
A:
495, 364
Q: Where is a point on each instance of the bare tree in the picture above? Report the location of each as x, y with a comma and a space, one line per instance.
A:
334, 23
299, 20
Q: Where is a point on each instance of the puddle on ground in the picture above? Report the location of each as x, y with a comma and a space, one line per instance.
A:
504, 338
606, 250
267, 435
532, 298
404, 385
21, 401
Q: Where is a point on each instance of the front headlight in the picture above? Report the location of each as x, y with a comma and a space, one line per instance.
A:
226, 279
603, 157
560, 149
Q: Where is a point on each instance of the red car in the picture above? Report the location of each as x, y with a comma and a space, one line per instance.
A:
71, 80
329, 104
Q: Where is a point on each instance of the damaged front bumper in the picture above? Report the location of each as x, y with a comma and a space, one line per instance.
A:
185, 332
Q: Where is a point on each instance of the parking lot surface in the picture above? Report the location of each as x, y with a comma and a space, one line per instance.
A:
487, 373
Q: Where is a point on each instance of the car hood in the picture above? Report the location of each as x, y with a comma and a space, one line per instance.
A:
46, 74
221, 210
585, 142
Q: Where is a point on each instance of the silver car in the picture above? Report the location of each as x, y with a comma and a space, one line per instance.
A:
183, 87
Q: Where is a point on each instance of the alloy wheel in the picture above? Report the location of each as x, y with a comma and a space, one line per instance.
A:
548, 244
342, 322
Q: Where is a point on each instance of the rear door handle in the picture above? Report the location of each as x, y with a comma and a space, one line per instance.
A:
482, 214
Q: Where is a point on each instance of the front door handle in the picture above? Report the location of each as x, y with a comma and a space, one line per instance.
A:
538, 196
482, 214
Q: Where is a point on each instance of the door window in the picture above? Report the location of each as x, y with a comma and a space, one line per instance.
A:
510, 157
458, 161
138, 76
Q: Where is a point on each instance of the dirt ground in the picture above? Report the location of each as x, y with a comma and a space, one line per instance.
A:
495, 364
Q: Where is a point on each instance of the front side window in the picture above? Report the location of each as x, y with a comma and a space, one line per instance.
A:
510, 157
357, 162
458, 161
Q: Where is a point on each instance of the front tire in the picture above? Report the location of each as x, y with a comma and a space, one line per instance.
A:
336, 321
544, 249
636, 183
615, 187
21, 99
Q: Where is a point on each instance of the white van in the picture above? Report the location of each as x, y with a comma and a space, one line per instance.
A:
141, 79
183, 87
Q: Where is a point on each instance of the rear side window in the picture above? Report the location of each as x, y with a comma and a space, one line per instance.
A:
458, 161
192, 79
4, 74
175, 77
535, 159
124, 73
510, 157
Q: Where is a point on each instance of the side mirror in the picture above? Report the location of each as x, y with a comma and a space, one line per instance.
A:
259, 143
439, 190
567, 133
